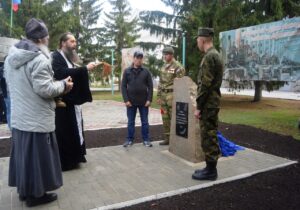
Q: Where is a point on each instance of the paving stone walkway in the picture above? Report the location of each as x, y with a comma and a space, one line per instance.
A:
116, 177
101, 115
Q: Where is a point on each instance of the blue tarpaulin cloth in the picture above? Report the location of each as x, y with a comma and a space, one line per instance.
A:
228, 148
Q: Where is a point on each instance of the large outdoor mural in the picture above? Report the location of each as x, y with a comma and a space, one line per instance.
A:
269, 52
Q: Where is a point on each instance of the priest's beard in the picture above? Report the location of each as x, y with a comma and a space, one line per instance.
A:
45, 50
71, 55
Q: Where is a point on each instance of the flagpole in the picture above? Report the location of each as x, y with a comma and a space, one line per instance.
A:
11, 17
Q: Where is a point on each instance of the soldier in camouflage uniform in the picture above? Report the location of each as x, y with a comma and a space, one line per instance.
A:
171, 69
208, 103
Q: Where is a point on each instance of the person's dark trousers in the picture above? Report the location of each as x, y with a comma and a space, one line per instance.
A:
2, 110
131, 114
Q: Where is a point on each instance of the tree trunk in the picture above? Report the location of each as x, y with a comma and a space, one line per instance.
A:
258, 91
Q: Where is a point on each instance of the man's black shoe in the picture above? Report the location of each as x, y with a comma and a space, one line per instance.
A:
206, 174
127, 143
70, 167
46, 198
22, 198
200, 170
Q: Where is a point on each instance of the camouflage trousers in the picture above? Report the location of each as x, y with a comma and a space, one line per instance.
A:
166, 113
209, 127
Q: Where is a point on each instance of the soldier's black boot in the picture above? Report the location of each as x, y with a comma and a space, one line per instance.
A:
208, 173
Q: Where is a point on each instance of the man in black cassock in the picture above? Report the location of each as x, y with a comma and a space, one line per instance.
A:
68, 118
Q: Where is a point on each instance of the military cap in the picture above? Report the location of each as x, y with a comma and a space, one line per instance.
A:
138, 54
205, 32
168, 50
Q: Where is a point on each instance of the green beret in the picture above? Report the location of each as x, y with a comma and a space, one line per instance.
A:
205, 32
168, 50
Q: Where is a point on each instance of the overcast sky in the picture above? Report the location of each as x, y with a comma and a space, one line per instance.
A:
144, 5
139, 5
148, 5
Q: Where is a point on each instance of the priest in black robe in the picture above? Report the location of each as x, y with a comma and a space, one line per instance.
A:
68, 117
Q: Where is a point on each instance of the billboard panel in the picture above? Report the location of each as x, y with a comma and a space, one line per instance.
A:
269, 52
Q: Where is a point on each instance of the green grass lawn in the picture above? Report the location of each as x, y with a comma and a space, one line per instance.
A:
275, 115
107, 95
100, 95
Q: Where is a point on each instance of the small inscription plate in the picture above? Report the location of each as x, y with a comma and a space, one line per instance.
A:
182, 121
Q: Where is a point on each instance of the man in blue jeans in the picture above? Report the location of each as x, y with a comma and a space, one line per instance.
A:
137, 92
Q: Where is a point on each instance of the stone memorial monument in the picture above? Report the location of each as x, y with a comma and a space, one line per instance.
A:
185, 139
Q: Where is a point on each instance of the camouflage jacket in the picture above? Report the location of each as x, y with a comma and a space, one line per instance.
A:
168, 73
210, 80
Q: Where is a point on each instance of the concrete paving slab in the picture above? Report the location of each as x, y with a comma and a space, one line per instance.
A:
115, 177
